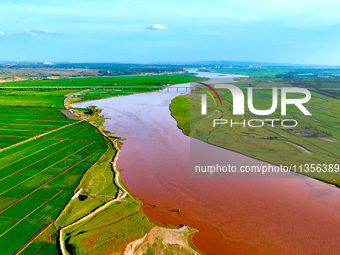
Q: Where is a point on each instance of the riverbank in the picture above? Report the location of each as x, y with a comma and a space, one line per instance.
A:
137, 227
312, 148
180, 110
155, 167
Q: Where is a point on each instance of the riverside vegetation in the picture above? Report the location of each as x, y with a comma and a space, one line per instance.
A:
316, 139
60, 190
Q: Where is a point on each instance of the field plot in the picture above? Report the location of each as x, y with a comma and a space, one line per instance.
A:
37, 183
25, 98
43, 156
20, 123
148, 80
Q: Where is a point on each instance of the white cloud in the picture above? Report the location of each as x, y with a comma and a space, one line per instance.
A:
42, 31
33, 32
156, 27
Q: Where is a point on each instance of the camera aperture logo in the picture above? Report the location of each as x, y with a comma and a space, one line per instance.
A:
239, 105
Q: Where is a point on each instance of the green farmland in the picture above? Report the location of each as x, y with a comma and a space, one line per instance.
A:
46, 157
38, 177
137, 81
43, 157
26, 123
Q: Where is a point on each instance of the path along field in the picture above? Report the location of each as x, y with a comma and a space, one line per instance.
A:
38, 177
45, 158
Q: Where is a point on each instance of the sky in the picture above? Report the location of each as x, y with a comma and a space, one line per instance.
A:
141, 31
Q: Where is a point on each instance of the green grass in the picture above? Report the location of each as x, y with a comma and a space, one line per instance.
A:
318, 134
38, 177
95, 157
182, 113
117, 229
99, 94
278, 71
95, 182
40, 248
268, 72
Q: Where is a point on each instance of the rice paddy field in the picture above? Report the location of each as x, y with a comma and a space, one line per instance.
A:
20, 123
38, 177
45, 158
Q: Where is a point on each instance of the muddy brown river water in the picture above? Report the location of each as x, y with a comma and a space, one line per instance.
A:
296, 215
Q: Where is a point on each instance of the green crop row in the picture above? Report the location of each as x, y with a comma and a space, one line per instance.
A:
20, 123
14, 238
151, 80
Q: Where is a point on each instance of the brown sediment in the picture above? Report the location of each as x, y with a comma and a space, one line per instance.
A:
174, 239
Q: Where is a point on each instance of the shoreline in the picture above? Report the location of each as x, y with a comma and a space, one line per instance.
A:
188, 232
292, 172
197, 73
298, 187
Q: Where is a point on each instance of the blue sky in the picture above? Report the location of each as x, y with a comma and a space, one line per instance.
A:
285, 31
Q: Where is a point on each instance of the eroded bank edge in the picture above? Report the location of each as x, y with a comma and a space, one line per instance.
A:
186, 233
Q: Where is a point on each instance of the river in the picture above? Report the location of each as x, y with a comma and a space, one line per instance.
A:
296, 215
